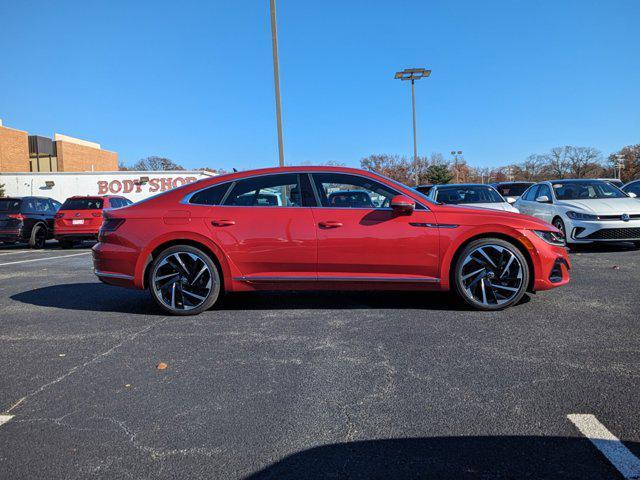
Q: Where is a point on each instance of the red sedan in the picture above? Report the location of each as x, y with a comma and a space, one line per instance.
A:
321, 228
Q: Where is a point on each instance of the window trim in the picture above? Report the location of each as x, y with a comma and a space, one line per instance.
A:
186, 200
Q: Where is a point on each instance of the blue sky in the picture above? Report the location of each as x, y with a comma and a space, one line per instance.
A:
193, 81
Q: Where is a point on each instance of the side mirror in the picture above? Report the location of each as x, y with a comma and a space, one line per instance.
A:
632, 195
543, 199
511, 199
403, 204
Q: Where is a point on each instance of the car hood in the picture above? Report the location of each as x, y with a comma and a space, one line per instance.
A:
605, 206
504, 206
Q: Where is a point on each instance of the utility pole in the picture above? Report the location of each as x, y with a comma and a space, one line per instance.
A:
276, 81
413, 74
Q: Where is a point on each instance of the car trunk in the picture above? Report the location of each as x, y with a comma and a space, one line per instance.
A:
10, 217
80, 213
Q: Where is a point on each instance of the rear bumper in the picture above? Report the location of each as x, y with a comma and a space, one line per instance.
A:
115, 264
12, 235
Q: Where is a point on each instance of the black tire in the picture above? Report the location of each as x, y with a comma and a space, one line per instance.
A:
559, 224
67, 244
496, 285
176, 293
38, 236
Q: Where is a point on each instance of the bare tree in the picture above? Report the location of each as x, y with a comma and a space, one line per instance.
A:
556, 163
584, 162
629, 156
392, 166
156, 163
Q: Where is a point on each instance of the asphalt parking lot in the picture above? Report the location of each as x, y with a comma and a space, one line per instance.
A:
314, 385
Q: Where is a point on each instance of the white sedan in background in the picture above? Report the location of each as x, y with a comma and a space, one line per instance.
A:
473, 195
585, 210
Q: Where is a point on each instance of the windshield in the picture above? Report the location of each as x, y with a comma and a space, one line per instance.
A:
586, 190
512, 189
9, 205
82, 204
468, 194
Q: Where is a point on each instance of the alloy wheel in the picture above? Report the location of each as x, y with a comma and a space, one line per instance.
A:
182, 281
491, 275
40, 237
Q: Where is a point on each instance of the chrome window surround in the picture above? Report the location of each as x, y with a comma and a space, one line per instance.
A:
186, 200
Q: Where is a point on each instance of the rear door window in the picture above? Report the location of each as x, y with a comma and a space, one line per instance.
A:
83, 204
282, 190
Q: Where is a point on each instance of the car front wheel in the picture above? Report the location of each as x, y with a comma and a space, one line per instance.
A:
184, 280
491, 274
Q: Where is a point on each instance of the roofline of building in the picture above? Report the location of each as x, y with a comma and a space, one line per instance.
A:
114, 172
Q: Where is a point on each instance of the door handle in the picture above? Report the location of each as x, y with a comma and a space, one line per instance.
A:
223, 223
330, 224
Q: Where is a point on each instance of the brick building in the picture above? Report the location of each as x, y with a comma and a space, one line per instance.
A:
21, 152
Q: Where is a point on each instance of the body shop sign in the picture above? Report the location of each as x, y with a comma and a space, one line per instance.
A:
154, 185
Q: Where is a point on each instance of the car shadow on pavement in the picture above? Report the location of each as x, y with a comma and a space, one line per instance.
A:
344, 300
604, 248
106, 298
95, 297
504, 457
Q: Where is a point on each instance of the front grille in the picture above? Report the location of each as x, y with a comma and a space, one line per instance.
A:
615, 234
633, 216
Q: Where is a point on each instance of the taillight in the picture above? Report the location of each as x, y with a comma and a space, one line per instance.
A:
58, 215
96, 214
111, 224
17, 216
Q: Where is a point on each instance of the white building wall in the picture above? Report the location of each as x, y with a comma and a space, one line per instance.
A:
125, 183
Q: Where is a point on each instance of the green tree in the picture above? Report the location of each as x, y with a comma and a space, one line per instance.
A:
439, 174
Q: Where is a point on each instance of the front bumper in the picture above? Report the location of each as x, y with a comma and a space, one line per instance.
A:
551, 264
581, 231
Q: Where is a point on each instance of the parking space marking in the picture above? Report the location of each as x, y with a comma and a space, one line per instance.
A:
608, 444
4, 419
14, 252
45, 258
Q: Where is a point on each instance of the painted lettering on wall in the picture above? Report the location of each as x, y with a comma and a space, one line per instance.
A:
153, 186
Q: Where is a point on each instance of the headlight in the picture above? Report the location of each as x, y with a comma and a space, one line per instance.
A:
551, 238
581, 216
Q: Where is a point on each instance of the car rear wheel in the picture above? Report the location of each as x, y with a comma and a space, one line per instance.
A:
184, 280
491, 274
38, 236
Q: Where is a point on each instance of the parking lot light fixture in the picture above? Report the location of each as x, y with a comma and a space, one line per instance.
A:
413, 74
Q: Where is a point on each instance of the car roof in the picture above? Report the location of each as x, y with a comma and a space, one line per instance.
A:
464, 185
574, 180
526, 182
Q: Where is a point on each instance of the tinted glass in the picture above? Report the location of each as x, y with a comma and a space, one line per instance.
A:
424, 189
211, 196
530, 195
116, 202
512, 189
83, 204
56, 204
544, 190
586, 190
468, 194
9, 205
43, 206
267, 191
352, 191
633, 188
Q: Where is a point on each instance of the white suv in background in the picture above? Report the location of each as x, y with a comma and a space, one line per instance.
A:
585, 210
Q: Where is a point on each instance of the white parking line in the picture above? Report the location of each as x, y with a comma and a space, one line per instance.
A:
41, 259
14, 252
4, 419
608, 444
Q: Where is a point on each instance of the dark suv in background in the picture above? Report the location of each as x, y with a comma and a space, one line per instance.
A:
27, 219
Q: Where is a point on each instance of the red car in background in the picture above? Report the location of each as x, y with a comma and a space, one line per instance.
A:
321, 228
79, 218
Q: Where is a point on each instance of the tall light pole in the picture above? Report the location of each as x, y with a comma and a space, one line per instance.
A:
413, 74
620, 165
276, 81
455, 154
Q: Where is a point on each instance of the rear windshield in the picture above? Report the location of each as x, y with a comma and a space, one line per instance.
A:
82, 204
512, 189
9, 205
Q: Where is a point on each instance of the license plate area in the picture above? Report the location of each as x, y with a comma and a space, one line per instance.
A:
77, 221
